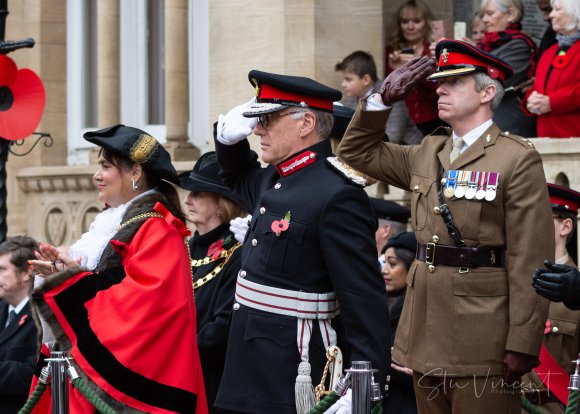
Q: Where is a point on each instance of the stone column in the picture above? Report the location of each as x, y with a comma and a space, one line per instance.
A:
176, 81
108, 68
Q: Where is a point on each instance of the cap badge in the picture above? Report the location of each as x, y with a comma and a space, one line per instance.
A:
445, 55
492, 72
143, 148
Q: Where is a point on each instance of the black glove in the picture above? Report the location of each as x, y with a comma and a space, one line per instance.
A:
404, 79
559, 283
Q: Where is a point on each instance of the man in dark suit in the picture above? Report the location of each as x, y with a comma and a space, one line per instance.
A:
309, 248
18, 346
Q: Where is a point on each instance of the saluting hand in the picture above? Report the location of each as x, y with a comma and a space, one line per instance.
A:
405, 78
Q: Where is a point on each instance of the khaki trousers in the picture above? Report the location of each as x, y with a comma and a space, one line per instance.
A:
465, 395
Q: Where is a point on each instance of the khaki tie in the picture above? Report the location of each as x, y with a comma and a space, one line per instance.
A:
457, 145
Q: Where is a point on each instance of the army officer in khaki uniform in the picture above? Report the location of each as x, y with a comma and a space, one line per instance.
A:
473, 323
547, 385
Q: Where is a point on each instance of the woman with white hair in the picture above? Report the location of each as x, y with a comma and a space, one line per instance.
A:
555, 96
504, 39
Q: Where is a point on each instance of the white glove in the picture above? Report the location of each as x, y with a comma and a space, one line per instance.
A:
234, 127
239, 226
342, 406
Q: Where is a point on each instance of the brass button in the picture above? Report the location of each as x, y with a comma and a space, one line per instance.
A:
242, 273
555, 329
236, 306
431, 269
416, 188
277, 186
254, 242
262, 210
436, 210
435, 238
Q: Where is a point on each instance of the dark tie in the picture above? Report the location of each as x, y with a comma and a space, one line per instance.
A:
11, 317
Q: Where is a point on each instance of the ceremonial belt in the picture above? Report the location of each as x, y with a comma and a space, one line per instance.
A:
553, 376
470, 257
303, 306
299, 304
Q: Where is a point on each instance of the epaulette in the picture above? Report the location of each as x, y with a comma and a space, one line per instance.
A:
347, 171
525, 142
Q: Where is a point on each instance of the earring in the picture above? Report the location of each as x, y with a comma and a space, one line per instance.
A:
134, 185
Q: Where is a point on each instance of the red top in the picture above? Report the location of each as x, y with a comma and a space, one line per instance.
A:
422, 102
145, 319
561, 83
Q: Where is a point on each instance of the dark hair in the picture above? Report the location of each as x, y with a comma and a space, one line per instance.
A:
405, 255
21, 249
396, 40
162, 186
360, 63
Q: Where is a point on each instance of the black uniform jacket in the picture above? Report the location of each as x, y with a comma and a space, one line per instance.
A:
213, 302
18, 347
328, 246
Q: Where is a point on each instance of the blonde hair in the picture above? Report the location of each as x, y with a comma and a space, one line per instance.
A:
229, 210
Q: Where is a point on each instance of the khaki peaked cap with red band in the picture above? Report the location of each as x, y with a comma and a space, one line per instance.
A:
276, 92
455, 58
564, 200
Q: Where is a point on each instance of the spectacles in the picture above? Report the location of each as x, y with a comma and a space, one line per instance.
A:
265, 119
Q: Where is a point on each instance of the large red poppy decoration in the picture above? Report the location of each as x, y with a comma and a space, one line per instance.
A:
22, 100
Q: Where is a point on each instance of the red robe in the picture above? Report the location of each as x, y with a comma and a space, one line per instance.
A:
562, 86
132, 328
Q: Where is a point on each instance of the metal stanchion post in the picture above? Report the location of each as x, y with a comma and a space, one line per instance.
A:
361, 379
59, 379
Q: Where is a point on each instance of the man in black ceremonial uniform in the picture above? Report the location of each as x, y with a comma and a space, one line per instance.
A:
309, 277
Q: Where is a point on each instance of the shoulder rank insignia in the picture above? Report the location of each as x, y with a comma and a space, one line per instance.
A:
349, 172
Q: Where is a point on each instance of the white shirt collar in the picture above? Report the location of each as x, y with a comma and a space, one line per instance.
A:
19, 307
474, 134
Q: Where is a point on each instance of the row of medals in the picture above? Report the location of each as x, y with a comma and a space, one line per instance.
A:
468, 188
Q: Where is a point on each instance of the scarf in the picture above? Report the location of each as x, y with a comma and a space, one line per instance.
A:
567, 41
91, 245
493, 40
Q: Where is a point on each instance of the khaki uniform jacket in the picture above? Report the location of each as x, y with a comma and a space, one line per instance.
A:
563, 342
462, 323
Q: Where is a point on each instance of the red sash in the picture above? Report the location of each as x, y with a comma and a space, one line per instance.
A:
553, 376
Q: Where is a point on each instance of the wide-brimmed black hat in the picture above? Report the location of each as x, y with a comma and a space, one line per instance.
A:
138, 146
403, 240
205, 176
276, 92
455, 58
389, 210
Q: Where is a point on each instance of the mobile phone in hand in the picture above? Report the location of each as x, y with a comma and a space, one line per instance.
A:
408, 51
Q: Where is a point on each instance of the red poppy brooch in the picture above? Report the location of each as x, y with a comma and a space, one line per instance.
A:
216, 249
278, 226
561, 60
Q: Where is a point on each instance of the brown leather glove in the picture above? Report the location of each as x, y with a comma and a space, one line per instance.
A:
516, 364
404, 79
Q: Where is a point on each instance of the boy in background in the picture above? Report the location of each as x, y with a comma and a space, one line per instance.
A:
359, 80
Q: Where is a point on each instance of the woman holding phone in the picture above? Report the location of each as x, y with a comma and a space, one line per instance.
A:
411, 37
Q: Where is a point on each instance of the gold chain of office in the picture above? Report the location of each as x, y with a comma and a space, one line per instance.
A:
226, 254
137, 218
